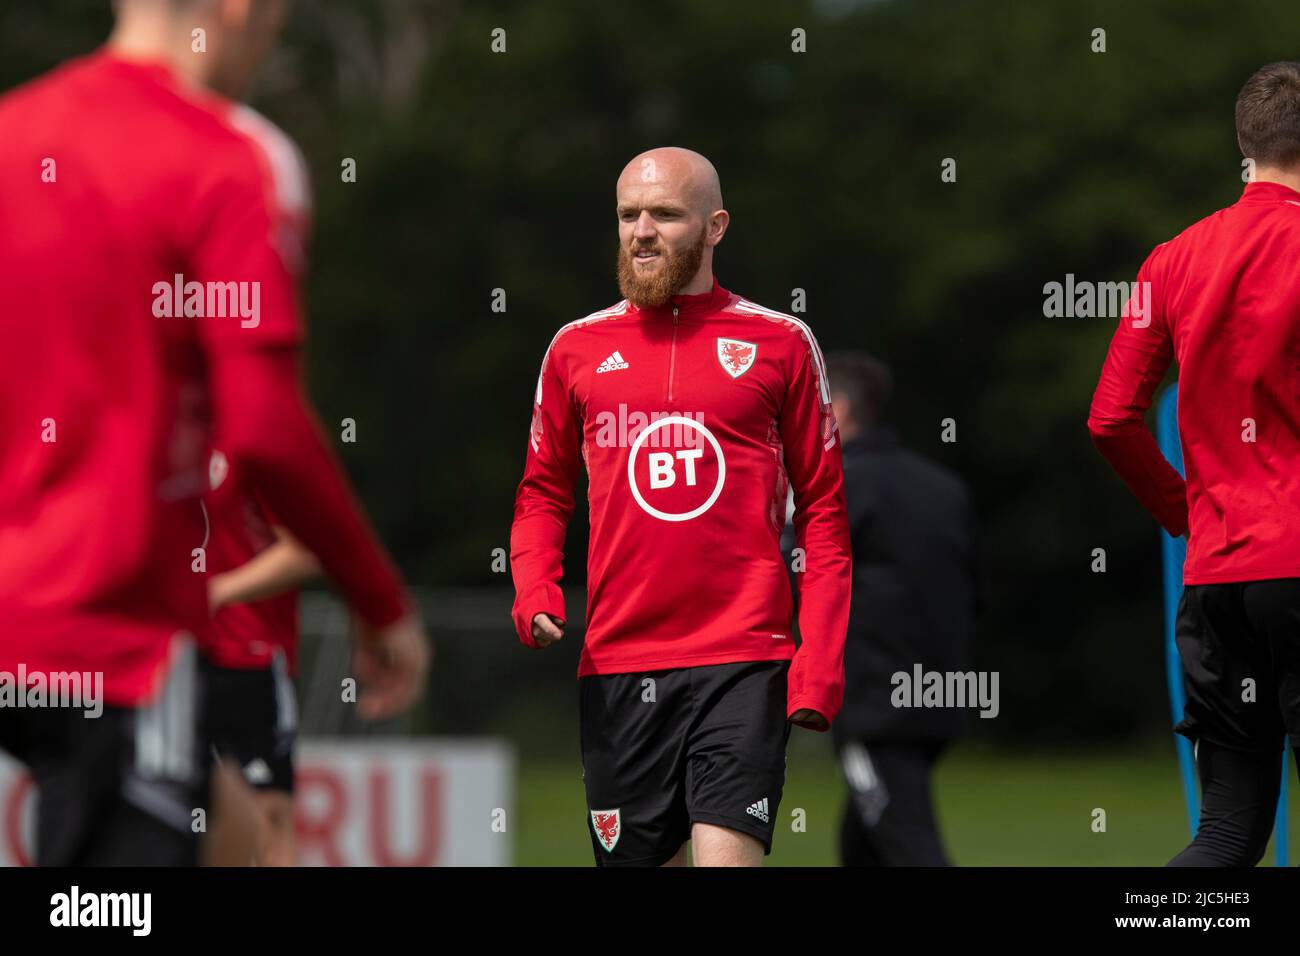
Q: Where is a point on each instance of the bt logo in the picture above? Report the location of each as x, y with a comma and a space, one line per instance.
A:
666, 468
662, 474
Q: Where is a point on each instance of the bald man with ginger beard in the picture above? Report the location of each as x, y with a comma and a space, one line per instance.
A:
693, 410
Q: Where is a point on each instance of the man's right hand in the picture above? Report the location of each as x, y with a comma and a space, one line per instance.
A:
393, 663
547, 629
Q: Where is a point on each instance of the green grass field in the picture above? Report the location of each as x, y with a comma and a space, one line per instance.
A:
995, 808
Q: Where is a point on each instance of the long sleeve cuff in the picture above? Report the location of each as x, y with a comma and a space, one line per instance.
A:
544, 598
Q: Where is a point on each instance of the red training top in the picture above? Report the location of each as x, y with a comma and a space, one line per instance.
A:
245, 635
689, 418
151, 238
1225, 302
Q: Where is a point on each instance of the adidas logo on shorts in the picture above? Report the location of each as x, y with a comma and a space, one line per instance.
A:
759, 809
256, 771
613, 363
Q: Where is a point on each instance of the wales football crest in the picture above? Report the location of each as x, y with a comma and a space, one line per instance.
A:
608, 828
736, 357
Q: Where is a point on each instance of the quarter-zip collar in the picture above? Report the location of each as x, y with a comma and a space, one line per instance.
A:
688, 306
1268, 192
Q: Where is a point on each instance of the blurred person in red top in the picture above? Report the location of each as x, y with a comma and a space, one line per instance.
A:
256, 566
693, 411
1222, 298
152, 239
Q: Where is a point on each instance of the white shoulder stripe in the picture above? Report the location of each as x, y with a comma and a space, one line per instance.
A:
288, 168
754, 308
612, 312
618, 309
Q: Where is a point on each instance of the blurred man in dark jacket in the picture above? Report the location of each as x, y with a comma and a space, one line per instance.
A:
914, 602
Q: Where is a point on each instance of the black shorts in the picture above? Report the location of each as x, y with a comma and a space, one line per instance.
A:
1240, 645
253, 719
123, 788
665, 749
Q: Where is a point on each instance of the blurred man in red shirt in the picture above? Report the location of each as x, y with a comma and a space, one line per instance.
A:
152, 238
1224, 301
256, 567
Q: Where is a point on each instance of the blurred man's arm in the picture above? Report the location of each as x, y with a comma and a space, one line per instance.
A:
543, 505
264, 422
238, 234
285, 566
1140, 353
812, 455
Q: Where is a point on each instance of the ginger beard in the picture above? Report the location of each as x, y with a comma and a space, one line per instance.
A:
653, 287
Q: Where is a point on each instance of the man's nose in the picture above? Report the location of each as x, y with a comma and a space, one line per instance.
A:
644, 227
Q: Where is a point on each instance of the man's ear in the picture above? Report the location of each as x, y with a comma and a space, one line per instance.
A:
718, 223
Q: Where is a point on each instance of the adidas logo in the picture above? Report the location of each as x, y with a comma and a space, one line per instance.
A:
613, 363
256, 771
759, 809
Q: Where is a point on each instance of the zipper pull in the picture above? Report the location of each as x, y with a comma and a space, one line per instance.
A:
674, 315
